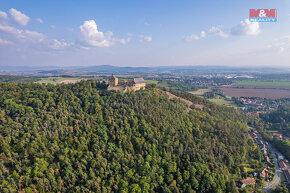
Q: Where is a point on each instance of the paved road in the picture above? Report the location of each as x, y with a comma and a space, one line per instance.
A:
269, 186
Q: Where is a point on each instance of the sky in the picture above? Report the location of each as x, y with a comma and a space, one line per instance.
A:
142, 33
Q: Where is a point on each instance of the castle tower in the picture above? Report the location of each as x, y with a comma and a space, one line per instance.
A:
113, 81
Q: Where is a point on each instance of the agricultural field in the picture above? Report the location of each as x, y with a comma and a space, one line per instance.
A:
262, 83
58, 80
255, 91
65, 80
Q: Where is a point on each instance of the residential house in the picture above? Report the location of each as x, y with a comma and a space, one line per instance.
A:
287, 174
246, 182
264, 173
279, 135
267, 159
283, 165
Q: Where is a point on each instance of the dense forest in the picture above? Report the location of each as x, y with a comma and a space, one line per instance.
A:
279, 120
177, 85
8, 78
83, 138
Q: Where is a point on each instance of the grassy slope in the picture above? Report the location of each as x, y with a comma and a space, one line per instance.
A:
222, 102
200, 91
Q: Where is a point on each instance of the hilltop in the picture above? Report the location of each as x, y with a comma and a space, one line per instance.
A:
81, 138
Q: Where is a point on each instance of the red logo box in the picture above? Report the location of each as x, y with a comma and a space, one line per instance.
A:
263, 13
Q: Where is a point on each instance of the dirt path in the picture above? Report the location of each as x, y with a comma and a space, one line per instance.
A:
189, 103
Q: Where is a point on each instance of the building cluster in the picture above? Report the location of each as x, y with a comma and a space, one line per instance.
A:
262, 145
202, 80
249, 101
254, 104
264, 173
283, 163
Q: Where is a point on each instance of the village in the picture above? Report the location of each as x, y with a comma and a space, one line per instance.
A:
259, 105
273, 161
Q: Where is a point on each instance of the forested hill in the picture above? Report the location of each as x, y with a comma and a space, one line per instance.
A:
82, 138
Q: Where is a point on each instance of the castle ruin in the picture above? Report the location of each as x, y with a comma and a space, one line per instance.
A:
135, 84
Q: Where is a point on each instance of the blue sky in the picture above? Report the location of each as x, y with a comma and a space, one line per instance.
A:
142, 33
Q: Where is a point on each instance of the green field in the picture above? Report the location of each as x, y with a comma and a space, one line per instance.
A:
151, 82
163, 83
200, 92
223, 102
273, 131
246, 169
262, 83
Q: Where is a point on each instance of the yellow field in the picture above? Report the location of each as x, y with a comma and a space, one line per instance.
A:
59, 80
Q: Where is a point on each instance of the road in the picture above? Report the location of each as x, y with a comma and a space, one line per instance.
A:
270, 185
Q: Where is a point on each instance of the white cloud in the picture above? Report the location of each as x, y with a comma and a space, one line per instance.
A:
52, 26
3, 15
145, 38
218, 31
195, 37
30, 38
42, 41
57, 44
19, 17
191, 37
246, 28
39, 20
10, 30
280, 45
124, 41
91, 36
5, 42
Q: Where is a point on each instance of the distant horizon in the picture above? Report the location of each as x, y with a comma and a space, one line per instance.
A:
148, 66
140, 69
